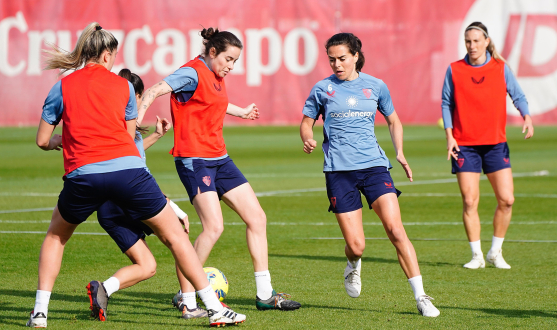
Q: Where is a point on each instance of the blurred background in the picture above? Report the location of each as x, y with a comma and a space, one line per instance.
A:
408, 44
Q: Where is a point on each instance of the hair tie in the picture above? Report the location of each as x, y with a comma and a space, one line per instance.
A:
98, 27
477, 28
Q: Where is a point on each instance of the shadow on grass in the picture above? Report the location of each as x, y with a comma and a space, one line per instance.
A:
515, 313
364, 259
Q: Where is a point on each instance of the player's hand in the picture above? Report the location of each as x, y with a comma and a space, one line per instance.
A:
251, 112
162, 126
528, 127
55, 142
309, 145
402, 160
452, 148
186, 224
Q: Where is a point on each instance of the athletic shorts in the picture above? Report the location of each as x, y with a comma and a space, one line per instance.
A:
133, 190
490, 158
344, 187
120, 226
220, 175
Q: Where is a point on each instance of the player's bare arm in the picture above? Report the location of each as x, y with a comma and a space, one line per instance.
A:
149, 97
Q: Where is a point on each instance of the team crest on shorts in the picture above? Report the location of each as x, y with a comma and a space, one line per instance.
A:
334, 201
207, 180
460, 162
367, 92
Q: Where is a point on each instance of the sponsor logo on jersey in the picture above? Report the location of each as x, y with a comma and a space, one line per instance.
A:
331, 94
477, 82
334, 201
352, 101
525, 33
217, 88
367, 92
350, 113
460, 162
330, 90
207, 180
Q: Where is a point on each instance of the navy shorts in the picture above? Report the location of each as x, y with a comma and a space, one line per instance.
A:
134, 190
344, 187
120, 226
220, 175
490, 158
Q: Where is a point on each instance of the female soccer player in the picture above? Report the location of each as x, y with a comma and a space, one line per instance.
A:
102, 164
475, 113
354, 162
129, 235
198, 104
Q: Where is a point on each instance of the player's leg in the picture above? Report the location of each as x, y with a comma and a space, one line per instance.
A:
353, 232
387, 209
50, 261
469, 184
502, 183
243, 201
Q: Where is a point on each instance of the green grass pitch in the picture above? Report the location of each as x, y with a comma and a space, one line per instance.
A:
291, 187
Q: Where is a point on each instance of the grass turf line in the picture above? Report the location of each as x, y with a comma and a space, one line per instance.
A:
311, 270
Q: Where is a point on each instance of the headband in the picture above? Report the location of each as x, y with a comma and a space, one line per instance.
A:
477, 28
98, 27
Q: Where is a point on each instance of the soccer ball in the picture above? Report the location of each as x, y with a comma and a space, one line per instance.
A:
218, 282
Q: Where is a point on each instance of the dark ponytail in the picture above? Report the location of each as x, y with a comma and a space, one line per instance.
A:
353, 43
137, 84
219, 40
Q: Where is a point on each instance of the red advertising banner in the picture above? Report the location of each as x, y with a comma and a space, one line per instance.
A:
408, 44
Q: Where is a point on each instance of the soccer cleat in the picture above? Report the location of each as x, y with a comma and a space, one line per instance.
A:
177, 302
476, 262
98, 299
496, 259
224, 317
194, 313
278, 301
426, 308
352, 280
36, 320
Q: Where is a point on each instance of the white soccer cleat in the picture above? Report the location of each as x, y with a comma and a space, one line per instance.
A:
36, 320
224, 317
476, 262
353, 281
496, 259
426, 308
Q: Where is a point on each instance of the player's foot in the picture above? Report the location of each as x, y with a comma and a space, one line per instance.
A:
476, 262
353, 281
426, 308
194, 313
36, 320
496, 259
225, 316
277, 301
177, 302
98, 299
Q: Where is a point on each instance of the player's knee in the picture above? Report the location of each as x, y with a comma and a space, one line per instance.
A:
506, 202
470, 203
151, 269
357, 247
214, 231
397, 234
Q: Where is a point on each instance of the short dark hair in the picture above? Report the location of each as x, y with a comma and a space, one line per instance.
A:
220, 40
353, 43
136, 81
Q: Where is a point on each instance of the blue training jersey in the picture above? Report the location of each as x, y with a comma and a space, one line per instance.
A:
348, 109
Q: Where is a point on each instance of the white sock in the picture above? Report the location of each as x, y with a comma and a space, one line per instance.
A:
210, 299
354, 264
263, 283
188, 299
111, 285
476, 247
417, 286
41, 302
179, 213
497, 243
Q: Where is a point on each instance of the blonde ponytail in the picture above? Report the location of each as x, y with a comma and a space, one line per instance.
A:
491, 49
90, 45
